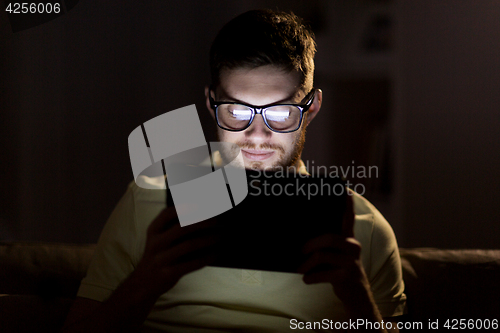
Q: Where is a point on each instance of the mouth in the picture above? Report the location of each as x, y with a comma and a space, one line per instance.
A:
257, 155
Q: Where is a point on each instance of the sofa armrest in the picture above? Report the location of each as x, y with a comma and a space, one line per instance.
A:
448, 284
50, 270
31, 313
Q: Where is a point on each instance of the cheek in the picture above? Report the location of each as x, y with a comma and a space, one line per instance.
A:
227, 136
288, 142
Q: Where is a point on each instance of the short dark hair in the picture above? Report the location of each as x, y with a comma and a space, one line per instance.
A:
264, 37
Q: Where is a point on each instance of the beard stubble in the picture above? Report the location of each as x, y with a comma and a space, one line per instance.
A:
283, 161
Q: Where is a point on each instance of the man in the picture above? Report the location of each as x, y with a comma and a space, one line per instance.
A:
149, 273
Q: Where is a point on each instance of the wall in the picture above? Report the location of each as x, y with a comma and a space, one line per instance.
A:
73, 89
448, 110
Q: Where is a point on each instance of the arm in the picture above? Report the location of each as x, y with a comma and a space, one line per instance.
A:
171, 252
336, 259
394, 328
120, 313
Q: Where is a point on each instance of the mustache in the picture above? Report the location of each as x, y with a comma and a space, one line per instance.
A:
262, 146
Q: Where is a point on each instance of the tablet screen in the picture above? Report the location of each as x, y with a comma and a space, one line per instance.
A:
279, 215
281, 212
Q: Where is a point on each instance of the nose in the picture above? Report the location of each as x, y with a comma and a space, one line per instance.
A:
258, 131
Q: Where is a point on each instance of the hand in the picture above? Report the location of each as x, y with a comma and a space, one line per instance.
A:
336, 259
173, 251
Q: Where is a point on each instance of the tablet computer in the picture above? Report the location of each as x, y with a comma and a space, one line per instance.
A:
280, 213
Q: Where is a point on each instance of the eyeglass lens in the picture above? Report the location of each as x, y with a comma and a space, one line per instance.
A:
279, 117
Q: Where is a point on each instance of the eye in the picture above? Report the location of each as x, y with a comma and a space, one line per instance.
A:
277, 115
240, 112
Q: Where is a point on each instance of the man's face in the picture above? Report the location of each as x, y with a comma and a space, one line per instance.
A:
262, 148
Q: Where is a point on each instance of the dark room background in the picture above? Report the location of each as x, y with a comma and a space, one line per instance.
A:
412, 87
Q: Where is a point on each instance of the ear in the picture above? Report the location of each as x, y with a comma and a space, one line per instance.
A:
207, 102
315, 106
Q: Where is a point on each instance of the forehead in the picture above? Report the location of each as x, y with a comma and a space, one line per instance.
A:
260, 85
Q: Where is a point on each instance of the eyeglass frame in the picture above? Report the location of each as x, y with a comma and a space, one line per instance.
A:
260, 109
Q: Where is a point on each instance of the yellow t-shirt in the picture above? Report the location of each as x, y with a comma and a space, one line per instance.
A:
215, 299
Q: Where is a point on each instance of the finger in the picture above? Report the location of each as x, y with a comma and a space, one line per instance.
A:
348, 219
164, 220
177, 234
317, 277
167, 219
333, 243
186, 267
323, 241
189, 248
325, 261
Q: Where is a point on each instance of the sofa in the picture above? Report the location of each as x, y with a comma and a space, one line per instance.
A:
38, 282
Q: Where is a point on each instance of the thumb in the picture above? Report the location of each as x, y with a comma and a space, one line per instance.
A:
348, 219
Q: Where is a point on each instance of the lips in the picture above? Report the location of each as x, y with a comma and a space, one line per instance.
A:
257, 155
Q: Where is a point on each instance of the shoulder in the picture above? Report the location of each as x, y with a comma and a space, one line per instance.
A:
148, 183
371, 229
147, 197
361, 204
369, 220
148, 192
380, 257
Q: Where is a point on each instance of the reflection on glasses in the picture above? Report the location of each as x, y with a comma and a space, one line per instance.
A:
281, 118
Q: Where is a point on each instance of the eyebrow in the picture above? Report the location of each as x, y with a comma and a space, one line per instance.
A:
289, 99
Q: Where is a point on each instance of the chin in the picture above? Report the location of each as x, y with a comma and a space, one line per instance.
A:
262, 166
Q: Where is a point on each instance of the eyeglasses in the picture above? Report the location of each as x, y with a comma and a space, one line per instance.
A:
280, 118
